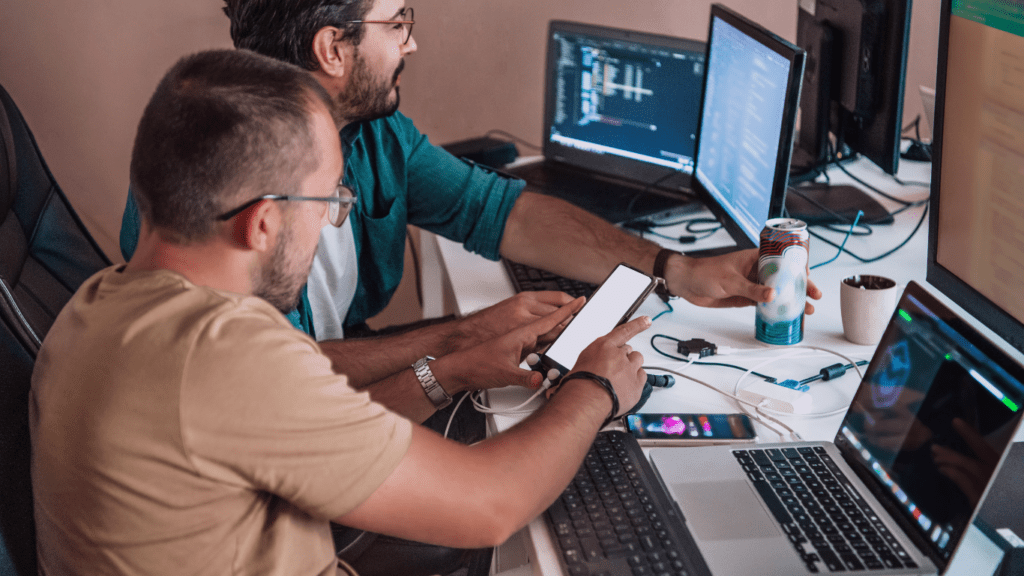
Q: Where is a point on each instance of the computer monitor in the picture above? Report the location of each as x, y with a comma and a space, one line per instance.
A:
747, 119
621, 102
976, 236
852, 99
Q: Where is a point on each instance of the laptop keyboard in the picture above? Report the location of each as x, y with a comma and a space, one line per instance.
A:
615, 519
825, 518
529, 279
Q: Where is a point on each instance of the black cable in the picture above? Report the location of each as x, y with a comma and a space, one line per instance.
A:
716, 226
924, 214
915, 124
899, 201
650, 186
647, 227
851, 230
831, 372
514, 138
921, 184
767, 378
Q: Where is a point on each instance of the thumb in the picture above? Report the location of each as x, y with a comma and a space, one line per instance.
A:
526, 378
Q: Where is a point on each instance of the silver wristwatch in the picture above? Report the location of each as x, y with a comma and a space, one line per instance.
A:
431, 386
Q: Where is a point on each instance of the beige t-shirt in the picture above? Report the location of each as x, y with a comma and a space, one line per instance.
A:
178, 429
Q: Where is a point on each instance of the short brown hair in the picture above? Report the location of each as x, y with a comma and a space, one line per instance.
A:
221, 122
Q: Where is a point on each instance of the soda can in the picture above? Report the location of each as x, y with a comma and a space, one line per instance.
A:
782, 265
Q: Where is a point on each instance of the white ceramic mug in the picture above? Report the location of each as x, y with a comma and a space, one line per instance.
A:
866, 303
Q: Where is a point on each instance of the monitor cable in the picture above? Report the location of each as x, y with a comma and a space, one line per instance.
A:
513, 138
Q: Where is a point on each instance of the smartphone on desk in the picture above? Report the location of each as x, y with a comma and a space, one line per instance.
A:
690, 429
614, 301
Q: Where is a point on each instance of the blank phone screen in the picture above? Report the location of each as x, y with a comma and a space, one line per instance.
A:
600, 314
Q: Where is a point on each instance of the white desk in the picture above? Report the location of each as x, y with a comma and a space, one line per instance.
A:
472, 282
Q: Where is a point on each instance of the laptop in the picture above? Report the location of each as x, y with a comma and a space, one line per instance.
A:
926, 432
620, 121
665, 116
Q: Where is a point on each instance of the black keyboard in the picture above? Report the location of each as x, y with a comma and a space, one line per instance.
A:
825, 518
615, 518
529, 279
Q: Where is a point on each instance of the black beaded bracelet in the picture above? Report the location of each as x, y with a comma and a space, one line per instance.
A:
604, 383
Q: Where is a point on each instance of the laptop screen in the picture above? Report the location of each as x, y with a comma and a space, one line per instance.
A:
936, 410
628, 97
746, 122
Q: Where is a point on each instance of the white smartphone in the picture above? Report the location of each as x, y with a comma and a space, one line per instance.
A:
611, 304
690, 429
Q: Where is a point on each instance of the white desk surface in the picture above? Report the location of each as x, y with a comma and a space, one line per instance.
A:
476, 283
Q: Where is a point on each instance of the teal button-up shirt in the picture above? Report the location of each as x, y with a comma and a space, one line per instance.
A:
400, 178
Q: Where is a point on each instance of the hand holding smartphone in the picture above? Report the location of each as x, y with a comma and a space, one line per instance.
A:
612, 303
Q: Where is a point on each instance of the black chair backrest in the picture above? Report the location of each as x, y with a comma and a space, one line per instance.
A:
45, 255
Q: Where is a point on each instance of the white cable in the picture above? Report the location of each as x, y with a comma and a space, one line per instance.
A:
736, 387
693, 357
513, 411
737, 399
454, 410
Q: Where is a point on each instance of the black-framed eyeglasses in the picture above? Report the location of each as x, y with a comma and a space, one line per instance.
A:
340, 204
406, 22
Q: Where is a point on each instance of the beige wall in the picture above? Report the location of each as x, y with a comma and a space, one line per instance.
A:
81, 71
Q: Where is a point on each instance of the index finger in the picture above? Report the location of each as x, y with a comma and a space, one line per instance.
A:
624, 332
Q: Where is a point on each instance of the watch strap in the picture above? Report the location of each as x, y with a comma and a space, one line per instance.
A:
435, 392
659, 272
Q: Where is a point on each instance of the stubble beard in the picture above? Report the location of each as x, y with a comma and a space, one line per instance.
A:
281, 279
366, 97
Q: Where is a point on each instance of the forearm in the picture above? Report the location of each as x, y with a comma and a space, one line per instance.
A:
500, 484
554, 235
539, 456
403, 394
369, 360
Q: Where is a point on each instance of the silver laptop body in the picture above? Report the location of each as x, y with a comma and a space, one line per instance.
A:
936, 382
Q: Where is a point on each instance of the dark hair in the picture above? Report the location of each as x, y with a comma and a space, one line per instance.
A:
221, 123
284, 29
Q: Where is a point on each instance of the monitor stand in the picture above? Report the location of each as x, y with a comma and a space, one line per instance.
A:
819, 204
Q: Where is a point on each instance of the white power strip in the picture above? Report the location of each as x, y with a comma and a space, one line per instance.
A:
777, 398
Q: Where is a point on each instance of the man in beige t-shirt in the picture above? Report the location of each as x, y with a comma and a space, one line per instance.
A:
180, 425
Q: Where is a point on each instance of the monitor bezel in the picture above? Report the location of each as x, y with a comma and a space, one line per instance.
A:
607, 164
978, 305
796, 57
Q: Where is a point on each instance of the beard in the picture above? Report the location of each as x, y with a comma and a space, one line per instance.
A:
281, 279
367, 97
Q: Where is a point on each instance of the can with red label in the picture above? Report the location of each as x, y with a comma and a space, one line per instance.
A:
782, 265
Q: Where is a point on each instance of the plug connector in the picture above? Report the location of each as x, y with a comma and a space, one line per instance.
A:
833, 371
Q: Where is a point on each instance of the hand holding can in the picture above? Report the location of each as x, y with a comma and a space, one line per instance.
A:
782, 265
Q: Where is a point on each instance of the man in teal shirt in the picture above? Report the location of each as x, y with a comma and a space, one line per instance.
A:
356, 50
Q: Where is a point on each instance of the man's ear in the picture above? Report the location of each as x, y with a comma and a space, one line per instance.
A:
331, 53
258, 227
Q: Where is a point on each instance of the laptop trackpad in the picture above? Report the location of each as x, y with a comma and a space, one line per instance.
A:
724, 511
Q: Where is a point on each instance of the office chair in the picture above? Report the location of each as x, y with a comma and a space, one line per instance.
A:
45, 255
